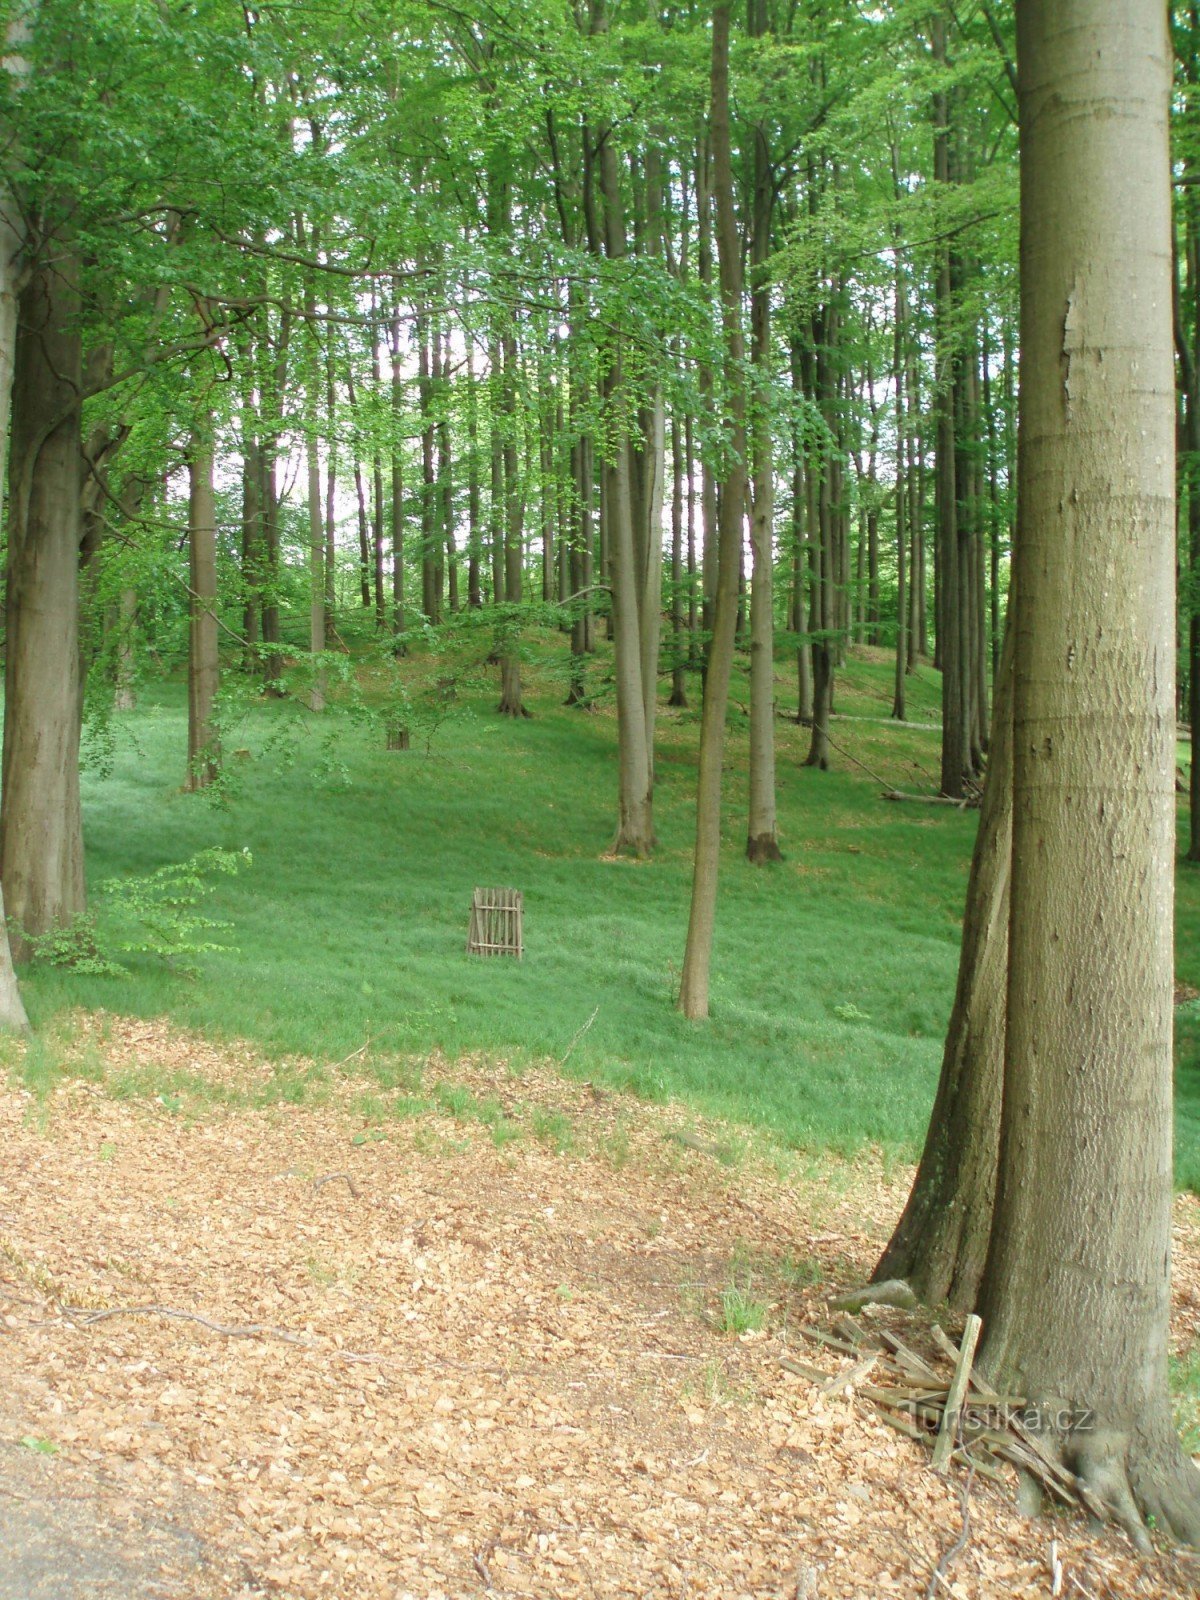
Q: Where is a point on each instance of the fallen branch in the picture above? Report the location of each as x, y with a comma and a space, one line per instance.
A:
960, 1544
577, 1035
332, 1177
249, 1330
354, 1054
926, 799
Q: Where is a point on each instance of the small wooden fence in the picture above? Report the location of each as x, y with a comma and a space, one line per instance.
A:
496, 923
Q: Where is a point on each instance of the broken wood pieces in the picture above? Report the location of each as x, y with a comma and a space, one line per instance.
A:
958, 1414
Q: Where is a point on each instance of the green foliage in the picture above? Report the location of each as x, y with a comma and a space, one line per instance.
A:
155, 915
741, 1311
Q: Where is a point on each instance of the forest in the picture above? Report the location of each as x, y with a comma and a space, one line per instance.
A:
599, 815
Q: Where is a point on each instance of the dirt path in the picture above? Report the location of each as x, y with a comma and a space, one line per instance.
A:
527, 1345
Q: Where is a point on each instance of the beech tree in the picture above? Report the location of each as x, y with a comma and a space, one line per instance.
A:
1073, 1070
1075, 1297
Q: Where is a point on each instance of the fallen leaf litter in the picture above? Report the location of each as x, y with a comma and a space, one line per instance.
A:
451, 1363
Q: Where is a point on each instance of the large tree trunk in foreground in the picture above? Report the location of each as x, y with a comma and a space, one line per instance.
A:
941, 1242
693, 988
203, 664
1075, 1298
41, 831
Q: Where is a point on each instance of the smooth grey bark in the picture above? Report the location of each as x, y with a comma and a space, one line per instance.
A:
1075, 1299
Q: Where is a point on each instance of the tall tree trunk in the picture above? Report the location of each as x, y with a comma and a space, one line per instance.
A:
950, 644
273, 657
330, 491
41, 831
399, 621
316, 564
693, 989
899, 361
204, 751
678, 653
447, 553
377, 489
430, 587
800, 553
1075, 1299
252, 541
762, 835
360, 495
635, 812
474, 490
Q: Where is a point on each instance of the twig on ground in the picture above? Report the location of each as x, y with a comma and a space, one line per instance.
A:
332, 1177
960, 1544
354, 1054
249, 1330
577, 1035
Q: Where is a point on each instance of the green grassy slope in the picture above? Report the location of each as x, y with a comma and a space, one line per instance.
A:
833, 971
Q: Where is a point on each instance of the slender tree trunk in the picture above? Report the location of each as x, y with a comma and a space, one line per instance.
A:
693, 990
364, 537
762, 838
447, 551
273, 661
125, 664
511, 703
252, 540
950, 650
316, 566
678, 653
399, 620
204, 751
635, 813
474, 491
41, 833
800, 557
330, 492
693, 572
898, 365
1075, 1299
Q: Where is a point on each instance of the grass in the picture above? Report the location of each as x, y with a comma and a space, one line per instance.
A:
833, 971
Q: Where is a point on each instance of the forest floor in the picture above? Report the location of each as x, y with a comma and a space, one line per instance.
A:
515, 1335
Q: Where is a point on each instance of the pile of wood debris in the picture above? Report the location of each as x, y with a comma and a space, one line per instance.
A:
953, 1410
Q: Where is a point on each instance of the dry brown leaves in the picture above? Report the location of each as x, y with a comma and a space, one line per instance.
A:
504, 1370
